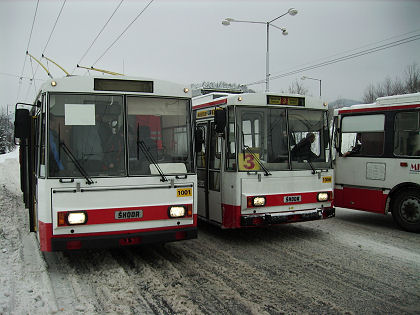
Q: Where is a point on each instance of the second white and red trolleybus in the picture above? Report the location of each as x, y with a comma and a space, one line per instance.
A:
377, 166
262, 159
108, 161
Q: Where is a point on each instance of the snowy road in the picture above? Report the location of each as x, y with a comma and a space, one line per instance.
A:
356, 263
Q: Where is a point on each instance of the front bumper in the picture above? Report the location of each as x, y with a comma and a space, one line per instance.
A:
287, 217
121, 240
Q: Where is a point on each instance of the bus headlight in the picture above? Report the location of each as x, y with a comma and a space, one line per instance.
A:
74, 218
258, 201
323, 196
176, 211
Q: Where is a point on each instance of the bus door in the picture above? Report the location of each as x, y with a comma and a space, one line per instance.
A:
202, 171
208, 172
214, 175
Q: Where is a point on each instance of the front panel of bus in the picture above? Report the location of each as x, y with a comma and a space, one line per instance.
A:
258, 174
118, 171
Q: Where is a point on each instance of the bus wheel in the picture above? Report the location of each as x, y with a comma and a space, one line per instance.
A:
406, 210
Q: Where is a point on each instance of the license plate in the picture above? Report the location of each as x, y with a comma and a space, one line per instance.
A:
184, 192
289, 199
128, 214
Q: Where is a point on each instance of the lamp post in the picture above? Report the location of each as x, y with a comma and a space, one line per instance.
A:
319, 80
292, 12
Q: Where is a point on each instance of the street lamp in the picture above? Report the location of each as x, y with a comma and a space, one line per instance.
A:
292, 12
305, 77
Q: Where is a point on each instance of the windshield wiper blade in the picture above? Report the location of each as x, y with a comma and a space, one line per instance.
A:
79, 167
149, 156
266, 171
312, 167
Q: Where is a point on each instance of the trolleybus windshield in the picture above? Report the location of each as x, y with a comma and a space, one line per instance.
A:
283, 139
105, 139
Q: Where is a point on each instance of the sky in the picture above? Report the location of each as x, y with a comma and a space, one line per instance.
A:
185, 42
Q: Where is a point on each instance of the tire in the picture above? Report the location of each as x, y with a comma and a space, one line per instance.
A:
406, 210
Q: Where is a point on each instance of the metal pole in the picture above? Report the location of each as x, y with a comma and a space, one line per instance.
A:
320, 89
267, 62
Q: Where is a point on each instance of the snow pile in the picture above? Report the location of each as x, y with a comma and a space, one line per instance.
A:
9, 171
24, 278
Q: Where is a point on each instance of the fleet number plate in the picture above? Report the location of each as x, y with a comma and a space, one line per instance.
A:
184, 192
128, 214
327, 179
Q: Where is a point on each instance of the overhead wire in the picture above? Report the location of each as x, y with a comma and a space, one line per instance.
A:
343, 58
100, 32
52, 31
350, 50
128, 26
27, 47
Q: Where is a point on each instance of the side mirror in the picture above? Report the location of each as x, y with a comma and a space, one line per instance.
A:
22, 123
199, 139
220, 120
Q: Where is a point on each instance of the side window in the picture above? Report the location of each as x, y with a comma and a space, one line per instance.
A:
201, 151
215, 149
231, 141
215, 158
407, 134
362, 135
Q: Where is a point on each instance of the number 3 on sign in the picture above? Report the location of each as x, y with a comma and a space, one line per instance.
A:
247, 162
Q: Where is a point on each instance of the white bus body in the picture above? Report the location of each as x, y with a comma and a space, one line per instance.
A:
247, 175
380, 173
107, 162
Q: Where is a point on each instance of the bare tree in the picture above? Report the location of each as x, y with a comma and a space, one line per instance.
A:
412, 81
6, 133
410, 84
297, 88
370, 94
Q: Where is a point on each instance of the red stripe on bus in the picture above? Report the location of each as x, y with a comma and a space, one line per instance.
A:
372, 200
107, 216
281, 200
45, 232
377, 109
210, 104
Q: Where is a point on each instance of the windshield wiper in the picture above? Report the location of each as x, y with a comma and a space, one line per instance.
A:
151, 159
256, 158
310, 164
145, 149
79, 167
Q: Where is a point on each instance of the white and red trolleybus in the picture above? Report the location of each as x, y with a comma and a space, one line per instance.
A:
108, 162
377, 166
262, 159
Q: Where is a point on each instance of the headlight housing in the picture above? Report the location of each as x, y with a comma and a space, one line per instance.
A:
257, 201
72, 218
323, 196
177, 211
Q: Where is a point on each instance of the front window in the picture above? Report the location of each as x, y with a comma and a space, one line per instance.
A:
309, 144
274, 137
158, 136
86, 135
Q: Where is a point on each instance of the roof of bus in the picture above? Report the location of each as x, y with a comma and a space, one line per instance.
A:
85, 84
252, 99
384, 103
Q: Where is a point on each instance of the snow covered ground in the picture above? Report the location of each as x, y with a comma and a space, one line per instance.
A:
356, 263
